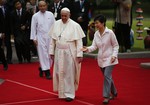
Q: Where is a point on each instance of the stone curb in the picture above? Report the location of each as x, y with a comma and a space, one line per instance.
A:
144, 54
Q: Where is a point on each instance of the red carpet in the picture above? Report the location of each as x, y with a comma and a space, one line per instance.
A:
23, 86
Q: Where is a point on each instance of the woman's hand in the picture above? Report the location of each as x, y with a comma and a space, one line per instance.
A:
84, 49
113, 59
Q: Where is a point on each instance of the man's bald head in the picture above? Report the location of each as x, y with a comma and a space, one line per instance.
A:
42, 6
41, 2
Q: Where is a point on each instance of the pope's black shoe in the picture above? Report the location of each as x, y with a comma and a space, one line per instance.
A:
47, 74
106, 101
68, 99
113, 96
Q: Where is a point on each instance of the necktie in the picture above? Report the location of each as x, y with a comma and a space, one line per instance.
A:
55, 12
81, 3
19, 13
3, 10
56, 7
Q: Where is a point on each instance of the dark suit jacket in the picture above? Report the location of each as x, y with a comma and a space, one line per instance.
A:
83, 12
5, 21
61, 5
3, 29
17, 22
20, 36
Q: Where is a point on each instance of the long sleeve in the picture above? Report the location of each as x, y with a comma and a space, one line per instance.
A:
93, 47
52, 47
79, 45
33, 28
115, 45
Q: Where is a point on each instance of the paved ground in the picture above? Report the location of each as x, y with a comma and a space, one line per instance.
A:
14, 57
144, 54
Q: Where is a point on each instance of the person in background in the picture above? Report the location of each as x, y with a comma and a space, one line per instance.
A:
2, 34
123, 23
33, 6
106, 43
132, 37
2, 55
65, 48
68, 4
26, 22
147, 38
5, 26
40, 25
80, 14
56, 6
19, 32
33, 10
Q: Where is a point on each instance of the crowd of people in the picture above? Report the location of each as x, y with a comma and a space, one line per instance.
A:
56, 32
17, 23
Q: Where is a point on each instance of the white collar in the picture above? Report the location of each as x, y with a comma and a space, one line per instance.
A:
19, 10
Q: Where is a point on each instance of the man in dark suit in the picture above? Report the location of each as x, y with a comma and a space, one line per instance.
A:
5, 26
56, 6
80, 15
2, 35
2, 55
19, 32
31, 9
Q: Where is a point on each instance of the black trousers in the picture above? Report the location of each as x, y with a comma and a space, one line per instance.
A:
122, 32
2, 55
22, 45
8, 47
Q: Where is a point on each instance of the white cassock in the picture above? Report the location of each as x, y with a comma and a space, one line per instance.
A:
40, 25
66, 46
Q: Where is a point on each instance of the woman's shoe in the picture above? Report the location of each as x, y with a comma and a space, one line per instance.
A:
106, 101
113, 96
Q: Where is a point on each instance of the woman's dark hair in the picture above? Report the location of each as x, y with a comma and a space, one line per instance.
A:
101, 18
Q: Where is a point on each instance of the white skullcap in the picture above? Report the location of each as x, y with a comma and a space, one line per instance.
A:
65, 9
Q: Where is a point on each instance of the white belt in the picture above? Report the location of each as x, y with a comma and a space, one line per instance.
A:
62, 45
